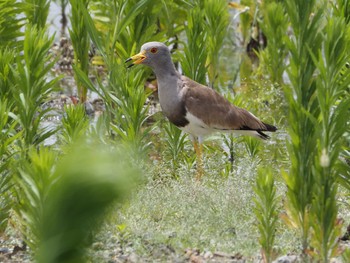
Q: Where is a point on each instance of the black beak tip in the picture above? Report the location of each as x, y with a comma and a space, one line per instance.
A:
130, 65
129, 59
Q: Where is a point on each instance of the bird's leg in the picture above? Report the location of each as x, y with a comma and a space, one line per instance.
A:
198, 148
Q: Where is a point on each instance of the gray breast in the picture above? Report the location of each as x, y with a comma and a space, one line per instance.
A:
171, 101
178, 115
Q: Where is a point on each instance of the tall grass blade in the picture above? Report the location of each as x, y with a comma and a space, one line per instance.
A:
266, 212
306, 22
38, 12
334, 119
11, 23
32, 85
8, 137
216, 20
81, 43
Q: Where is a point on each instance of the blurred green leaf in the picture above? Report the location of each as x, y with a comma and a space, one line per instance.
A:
63, 200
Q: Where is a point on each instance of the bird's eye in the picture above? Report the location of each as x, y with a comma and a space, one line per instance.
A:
154, 50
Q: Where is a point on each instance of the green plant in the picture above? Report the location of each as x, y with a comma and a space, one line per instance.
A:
175, 142
252, 145
8, 137
342, 9
75, 123
131, 114
332, 125
266, 211
81, 43
344, 175
205, 29
346, 255
37, 12
216, 18
34, 182
306, 22
91, 178
247, 20
171, 17
11, 22
230, 141
115, 27
124, 95
61, 201
274, 26
7, 60
10, 26
32, 85
194, 56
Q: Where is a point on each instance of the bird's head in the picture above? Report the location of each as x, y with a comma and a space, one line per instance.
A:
153, 54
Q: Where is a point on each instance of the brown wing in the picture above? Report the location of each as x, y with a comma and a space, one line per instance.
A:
216, 111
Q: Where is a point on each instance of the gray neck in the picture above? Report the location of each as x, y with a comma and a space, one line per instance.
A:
168, 87
165, 70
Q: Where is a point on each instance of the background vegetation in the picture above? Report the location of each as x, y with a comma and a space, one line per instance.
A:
86, 179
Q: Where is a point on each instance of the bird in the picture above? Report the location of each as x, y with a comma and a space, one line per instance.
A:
195, 108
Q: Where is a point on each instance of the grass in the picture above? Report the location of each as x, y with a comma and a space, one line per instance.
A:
216, 214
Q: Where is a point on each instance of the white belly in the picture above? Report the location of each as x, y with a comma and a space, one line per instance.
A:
196, 127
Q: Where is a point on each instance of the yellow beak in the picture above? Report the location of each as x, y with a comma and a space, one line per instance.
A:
137, 59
